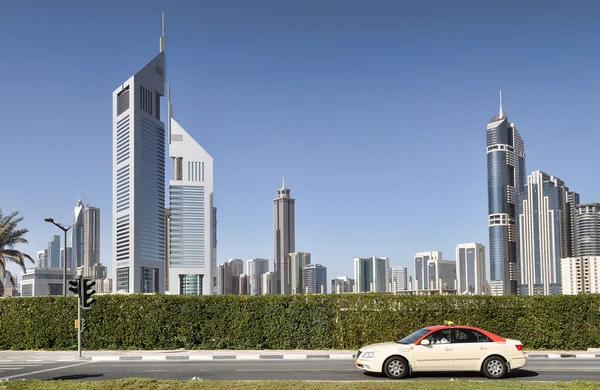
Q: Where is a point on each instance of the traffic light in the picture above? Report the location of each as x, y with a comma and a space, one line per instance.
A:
87, 291
74, 286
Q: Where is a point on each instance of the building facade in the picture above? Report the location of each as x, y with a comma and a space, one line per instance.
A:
587, 229
139, 179
434, 273
506, 179
54, 258
314, 279
40, 282
70, 264
256, 268
91, 239
371, 274
243, 287
580, 275
42, 259
268, 283
471, 276
297, 261
228, 277
544, 224
77, 234
284, 239
342, 284
399, 281
191, 213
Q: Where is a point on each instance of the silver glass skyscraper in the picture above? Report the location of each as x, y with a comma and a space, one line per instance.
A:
506, 179
284, 239
54, 260
77, 234
470, 269
139, 179
91, 239
256, 267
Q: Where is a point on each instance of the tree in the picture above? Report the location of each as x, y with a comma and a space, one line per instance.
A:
10, 236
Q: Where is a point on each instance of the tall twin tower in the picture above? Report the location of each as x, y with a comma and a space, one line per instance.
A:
157, 249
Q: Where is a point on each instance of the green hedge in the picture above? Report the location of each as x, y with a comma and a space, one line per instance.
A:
290, 322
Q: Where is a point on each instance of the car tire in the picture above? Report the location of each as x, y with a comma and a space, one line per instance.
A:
494, 367
395, 367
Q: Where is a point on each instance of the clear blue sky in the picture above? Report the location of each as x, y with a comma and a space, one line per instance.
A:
374, 111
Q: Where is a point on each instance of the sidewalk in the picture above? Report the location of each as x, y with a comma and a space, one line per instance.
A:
198, 355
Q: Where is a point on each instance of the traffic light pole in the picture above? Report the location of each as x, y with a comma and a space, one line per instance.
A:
79, 326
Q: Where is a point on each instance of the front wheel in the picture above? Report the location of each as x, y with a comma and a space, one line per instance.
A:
395, 367
494, 367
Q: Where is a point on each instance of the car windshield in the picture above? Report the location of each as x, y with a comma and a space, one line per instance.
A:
411, 338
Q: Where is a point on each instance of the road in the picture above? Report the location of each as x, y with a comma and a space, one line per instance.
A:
324, 370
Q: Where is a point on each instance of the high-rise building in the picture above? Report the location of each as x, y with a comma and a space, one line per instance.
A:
70, 263
243, 288
77, 233
167, 245
580, 275
470, 269
139, 179
399, 281
91, 239
268, 283
314, 279
588, 229
297, 262
284, 239
191, 205
543, 226
42, 259
213, 258
228, 276
256, 268
371, 274
54, 259
431, 270
506, 179
342, 284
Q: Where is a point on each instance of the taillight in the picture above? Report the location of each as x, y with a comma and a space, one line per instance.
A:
519, 347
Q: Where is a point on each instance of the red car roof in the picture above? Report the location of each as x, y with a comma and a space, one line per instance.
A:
492, 336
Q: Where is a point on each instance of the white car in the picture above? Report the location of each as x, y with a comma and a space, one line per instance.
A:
444, 348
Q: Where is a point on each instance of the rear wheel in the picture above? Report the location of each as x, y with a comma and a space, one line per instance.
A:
494, 367
395, 367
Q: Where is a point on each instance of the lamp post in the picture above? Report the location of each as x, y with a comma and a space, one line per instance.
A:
64, 229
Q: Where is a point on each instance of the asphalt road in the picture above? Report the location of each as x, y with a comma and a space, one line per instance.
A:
324, 370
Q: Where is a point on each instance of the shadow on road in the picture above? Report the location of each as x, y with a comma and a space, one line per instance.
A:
75, 377
513, 374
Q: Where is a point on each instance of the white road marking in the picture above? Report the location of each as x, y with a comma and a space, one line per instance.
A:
41, 371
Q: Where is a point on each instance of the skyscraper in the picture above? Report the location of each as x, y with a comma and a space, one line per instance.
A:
284, 239
228, 277
430, 268
42, 258
342, 284
544, 225
371, 274
91, 239
191, 212
70, 263
506, 179
470, 269
588, 229
314, 279
139, 179
77, 234
297, 261
256, 267
54, 260
399, 278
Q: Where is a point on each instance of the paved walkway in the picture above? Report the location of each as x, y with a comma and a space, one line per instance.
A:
196, 355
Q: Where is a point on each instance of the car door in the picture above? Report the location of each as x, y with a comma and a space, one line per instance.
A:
470, 347
438, 355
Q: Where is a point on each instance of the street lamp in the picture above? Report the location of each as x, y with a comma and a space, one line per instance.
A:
64, 229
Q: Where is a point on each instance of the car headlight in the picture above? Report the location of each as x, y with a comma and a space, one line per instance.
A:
368, 355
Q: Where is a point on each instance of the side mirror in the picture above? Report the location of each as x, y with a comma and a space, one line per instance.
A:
424, 342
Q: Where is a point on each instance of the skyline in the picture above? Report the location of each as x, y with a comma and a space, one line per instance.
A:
396, 225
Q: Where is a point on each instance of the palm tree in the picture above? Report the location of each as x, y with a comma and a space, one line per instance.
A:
10, 236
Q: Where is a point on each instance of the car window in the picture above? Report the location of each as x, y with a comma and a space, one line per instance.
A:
440, 337
470, 336
411, 338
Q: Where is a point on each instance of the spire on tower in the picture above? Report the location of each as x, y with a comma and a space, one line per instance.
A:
163, 38
501, 113
283, 182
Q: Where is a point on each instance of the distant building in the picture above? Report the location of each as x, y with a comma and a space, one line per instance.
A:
42, 259
399, 281
470, 269
256, 268
91, 239
580, 275
315, 279
268, 283
54, 258
77, 233
70, 264
284, 239
39, 282
431, 270
243, 287
342, 284
228, 277
297, 261
104, 286
588, 229
371, 274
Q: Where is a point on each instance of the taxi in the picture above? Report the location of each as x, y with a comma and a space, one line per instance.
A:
444, 348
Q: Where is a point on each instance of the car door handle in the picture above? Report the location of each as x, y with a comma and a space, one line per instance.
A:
483, 348
448, 349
